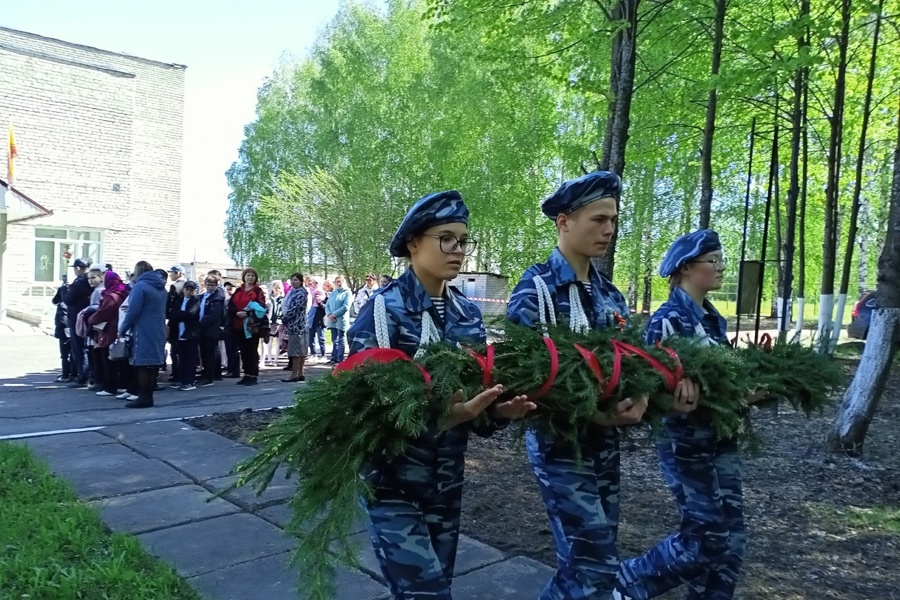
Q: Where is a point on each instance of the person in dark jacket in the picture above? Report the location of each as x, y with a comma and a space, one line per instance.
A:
173, 301
185, 320
212, 312
61, 333
107, 315
145, 320
77, 297
231, 337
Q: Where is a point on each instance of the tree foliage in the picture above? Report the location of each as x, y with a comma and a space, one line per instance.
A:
503, 101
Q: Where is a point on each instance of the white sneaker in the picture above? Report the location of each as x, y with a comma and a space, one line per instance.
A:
122, 396
104, 393
131, 397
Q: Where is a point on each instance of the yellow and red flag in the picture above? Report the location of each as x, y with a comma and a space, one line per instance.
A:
11, 157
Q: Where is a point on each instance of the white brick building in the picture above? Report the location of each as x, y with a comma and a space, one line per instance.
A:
99, 143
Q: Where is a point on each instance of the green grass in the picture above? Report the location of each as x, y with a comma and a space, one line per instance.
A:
53, 547
881, 518
878, 519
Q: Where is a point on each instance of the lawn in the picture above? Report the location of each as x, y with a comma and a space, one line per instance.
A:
52, 547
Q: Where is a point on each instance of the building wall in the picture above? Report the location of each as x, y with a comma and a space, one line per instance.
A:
99, 138
488, 291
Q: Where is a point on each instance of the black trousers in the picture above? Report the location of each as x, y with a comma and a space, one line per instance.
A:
249, 348
188, 355
97, 366
107, 371
232, 351
209, 357
128, 377
65, 356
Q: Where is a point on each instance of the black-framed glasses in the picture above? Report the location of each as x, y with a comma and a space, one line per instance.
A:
450, 244
717, 263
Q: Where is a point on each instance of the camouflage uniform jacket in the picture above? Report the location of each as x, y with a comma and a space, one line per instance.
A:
680, 315
600, 307
405, 301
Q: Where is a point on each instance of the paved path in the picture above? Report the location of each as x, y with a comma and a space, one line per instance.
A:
154, 477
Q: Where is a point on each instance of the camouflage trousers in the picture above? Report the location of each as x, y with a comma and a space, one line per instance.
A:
706, 554
582, 502
414, 522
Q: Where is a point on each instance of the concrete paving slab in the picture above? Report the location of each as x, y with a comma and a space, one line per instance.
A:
158, 509
202, 465
65, 440
137, 475
281, 514
198, 548
83, 457
273, 578
470, 555
278, 492
511, 579
180, 443
141, 430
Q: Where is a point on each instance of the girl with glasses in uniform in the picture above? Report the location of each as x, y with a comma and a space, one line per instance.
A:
415, 509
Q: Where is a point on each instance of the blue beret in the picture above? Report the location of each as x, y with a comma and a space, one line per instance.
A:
576, 193
687, 248
434, 209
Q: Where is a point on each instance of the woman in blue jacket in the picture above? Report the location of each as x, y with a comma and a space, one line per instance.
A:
414, 512
145, 321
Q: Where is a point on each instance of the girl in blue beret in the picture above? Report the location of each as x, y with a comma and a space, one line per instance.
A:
415, 509
703, 473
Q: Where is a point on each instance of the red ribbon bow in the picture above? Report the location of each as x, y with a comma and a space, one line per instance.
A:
378, 355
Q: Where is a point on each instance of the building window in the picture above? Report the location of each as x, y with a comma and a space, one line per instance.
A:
55, 249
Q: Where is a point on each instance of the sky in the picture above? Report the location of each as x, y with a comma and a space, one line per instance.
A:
228, 47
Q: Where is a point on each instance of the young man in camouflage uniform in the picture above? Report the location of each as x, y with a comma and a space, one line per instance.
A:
414, 515
702, 472
581, 495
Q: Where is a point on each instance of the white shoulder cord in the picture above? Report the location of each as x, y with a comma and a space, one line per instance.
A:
381, 327
430, 333
545, 303
668, 331
703, 336
578, 321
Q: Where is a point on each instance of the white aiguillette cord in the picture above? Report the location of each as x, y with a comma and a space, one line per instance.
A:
578, 321
430, 333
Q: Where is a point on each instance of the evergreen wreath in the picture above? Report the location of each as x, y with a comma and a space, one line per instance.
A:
378, 400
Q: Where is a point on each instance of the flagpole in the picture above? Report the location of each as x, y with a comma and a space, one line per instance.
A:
4, 217
3, 227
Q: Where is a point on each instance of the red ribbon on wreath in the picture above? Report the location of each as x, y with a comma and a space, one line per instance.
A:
378, 355
671, 379
486, 363
592, 362
554, 370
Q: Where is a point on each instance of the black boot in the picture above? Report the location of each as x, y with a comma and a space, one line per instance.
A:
141, 402
146, 379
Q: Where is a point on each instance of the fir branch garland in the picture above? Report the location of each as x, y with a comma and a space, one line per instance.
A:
340, 423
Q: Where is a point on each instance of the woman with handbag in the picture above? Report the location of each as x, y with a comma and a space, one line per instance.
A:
246, 324
107, 320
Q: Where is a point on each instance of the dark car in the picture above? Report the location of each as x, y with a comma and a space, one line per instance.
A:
862, 315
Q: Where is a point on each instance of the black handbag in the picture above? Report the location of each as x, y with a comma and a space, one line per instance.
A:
120, 349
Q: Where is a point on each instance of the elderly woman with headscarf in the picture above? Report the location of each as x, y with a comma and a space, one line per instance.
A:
106, 321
